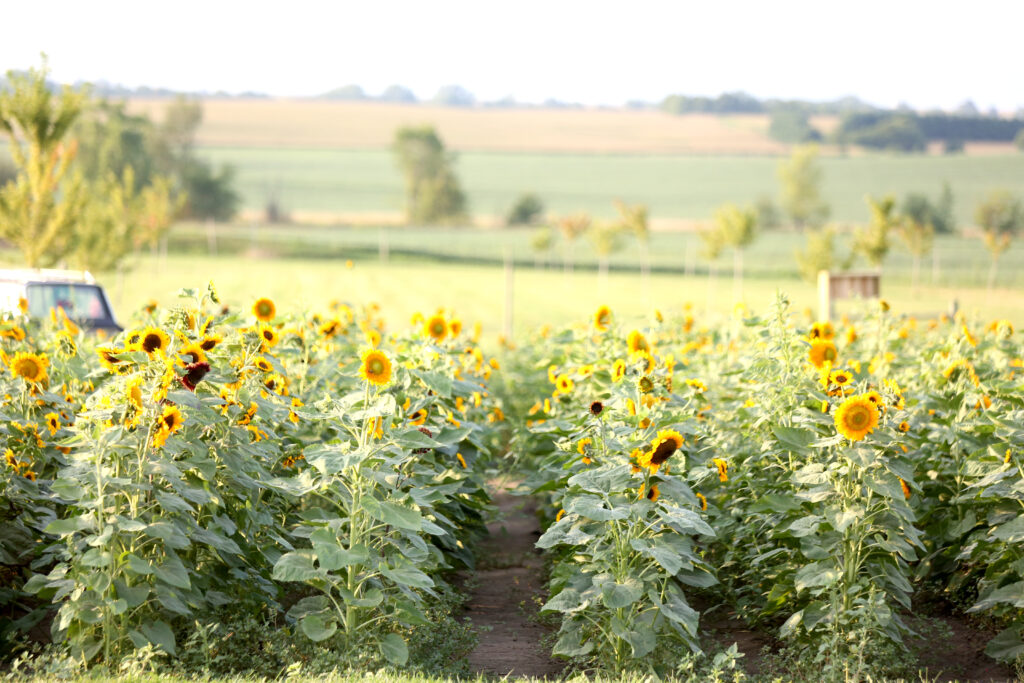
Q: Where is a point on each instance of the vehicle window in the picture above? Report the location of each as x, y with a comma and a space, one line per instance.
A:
80, 302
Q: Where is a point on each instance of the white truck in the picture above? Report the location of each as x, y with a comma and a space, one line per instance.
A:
77, 292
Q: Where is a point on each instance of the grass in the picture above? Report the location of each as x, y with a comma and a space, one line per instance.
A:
337, 181
962, 262
476, 293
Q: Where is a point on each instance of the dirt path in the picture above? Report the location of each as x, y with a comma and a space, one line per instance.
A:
507, 580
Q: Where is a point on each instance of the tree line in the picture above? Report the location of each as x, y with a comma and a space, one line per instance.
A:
88, 183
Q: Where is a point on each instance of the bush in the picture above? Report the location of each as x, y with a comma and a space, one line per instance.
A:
528, 210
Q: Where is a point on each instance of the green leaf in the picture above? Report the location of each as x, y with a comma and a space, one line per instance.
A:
296, 566
1011, 532
816, 574
1012, 594
1006, 646
592, 507
676, 608
139, 565
391, 513
407, 576
569, 644
331, 555
171, 571
789, 628
615, 595
566, 600
394, 649
660, 550
160, 633
414, 438
794, 438
436, 382
317, 628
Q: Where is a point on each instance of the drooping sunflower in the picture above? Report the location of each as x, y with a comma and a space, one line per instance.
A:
637, 342
645, 384
29, 366
618, 370
856, 417
603, 318
170, 422
702, 500
667, 442
330, 328
455, 327
652, 495
821, 351
133, 392
436, 327
192, 353
723, 469
375, 367
264, 310
151, 340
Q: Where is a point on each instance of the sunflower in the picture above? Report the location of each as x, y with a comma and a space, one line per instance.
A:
210, 341
563, 384
603, 318
375, 367
263, 365
822, 330
436, 327
877, 399
330, 328
651, 495
697, 385
595, 408
856, 417
840, 378
29, 366
455, 327
23, 305
264, 310
637, 342
133, 392
618, 370
645, 384
66, 344
702, 500
418, 418
462, 460
581, 445
52, 422
192, 353
904, 426
667, 442
170, 422
151, 340
649, 361
268, 336
906, 489
723, 469
821, 351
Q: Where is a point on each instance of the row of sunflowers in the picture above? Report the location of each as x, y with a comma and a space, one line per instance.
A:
318, 464
807, 477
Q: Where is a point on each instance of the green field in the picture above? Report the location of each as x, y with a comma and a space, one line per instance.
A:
346, 181
962, 262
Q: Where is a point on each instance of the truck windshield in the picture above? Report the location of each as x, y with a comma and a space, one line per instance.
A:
80, 302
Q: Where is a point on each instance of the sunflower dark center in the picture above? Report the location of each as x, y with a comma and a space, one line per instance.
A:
663, 452
151, 342
27, 367
858, 418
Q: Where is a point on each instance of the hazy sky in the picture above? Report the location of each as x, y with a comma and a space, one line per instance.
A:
929, 54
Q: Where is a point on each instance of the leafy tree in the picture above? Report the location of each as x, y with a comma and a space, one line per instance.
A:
792, 126
736, 228
541, 242
345, 93
432, 191
454, 96
527, 210
38, 210
818, 255
1019, 140
634, 219
939, 213
606, 239
919, 238
1000, 217
398, 93
768, 217
872, 241
210, 194
571, 228
111, 140
800, 176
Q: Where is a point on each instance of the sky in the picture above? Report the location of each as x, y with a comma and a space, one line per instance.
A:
926, 54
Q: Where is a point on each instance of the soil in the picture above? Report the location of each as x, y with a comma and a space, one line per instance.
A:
502, 602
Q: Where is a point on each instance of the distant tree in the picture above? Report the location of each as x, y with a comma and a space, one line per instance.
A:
397, 93
818, 255
938, 214
432, 191
112, 141
967, 108
454, 96
953, 146
737, 229
792, 126
768, 216
801, 176
872, 241
634, 219
527, 210
541, 242
210, 194
40, 208
571, 228
607, 239
1000, 217
919, 238
345, 93
182, 119
1019, 140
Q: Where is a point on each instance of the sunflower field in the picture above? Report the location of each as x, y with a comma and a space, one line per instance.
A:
332, 469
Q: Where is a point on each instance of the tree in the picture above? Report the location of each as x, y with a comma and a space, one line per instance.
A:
792, 126
541, 242
939, 213
606, 239
872, 240
819, 254
1019, 140
571, 228
38, 210
634, 219
398, 93
919, 238
454, 96
432, 192
111, 141
527, 210
800, 176
737, 229
1000, 217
